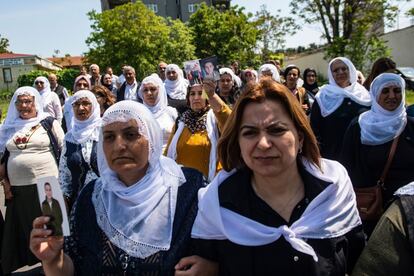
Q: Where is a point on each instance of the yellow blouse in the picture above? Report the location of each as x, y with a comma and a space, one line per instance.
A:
193, 150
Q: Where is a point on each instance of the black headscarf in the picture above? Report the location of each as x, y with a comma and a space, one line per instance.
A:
313, 88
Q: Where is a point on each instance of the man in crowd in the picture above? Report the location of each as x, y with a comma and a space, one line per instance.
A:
129, 89
60, 90
95, 75
110, 72
161, 70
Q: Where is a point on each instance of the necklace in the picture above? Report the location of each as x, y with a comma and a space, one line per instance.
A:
279, 209
22, 141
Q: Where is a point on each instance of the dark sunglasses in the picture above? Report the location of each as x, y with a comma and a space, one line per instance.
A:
37, 82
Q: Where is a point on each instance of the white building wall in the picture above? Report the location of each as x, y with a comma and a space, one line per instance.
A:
401, 43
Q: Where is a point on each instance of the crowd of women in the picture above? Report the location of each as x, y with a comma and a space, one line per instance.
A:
260, 173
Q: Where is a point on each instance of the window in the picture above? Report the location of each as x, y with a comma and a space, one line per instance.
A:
193, 7
7, 75
153, 7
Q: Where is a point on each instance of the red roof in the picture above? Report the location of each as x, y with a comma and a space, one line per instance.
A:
13, 55
67, 61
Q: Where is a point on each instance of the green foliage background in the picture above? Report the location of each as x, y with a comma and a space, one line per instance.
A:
66, 77
134, 35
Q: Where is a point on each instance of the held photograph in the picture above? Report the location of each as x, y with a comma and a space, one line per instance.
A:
53, 205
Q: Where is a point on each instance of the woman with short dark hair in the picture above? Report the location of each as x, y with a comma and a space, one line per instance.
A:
104, 96
292, 75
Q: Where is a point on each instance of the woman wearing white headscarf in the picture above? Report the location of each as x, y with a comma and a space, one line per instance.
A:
138, 213
194, 142
154, 97
368, 140
228, 86
269, 70
51, 102
29, 143
78, 164
176, 87
337, 103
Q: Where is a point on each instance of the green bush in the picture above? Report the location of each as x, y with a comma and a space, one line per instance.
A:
5, 95
66, 77
28, 79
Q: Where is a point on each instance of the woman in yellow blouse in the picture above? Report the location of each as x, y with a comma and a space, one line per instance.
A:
194, 139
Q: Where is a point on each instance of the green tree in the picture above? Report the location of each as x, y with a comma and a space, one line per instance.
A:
229, 35
351, 28
4, 44
273, 30
132, 34
180, 37
410, 12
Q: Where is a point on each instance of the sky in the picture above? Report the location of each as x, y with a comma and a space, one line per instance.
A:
43, 26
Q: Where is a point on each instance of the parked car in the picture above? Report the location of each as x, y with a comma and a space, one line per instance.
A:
407, 73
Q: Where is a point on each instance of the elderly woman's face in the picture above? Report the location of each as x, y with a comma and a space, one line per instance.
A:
340, 73
82, 109
197, 102
150, 94
25, 105
390, 97
126, 150
268, 139
82, 84
40, 85
172, 75
225, 84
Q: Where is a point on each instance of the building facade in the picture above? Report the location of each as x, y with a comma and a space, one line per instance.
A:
181, 9
14, 65
399, 41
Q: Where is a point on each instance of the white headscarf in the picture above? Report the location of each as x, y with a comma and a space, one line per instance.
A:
379, 126
13, 122
162, 101
331, 96
46, 92
253, 72
213, 136
81, 131
138, 219
271, 68
176, 89
230, 72
405, 190
331, 214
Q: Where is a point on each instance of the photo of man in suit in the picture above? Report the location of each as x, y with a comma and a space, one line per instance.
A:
51, 208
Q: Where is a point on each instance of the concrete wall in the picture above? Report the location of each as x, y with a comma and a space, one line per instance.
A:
16, 71
399, 41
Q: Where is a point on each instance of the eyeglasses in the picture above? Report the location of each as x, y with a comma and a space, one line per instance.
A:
26, 102
39, 82
84, 104
99, 96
